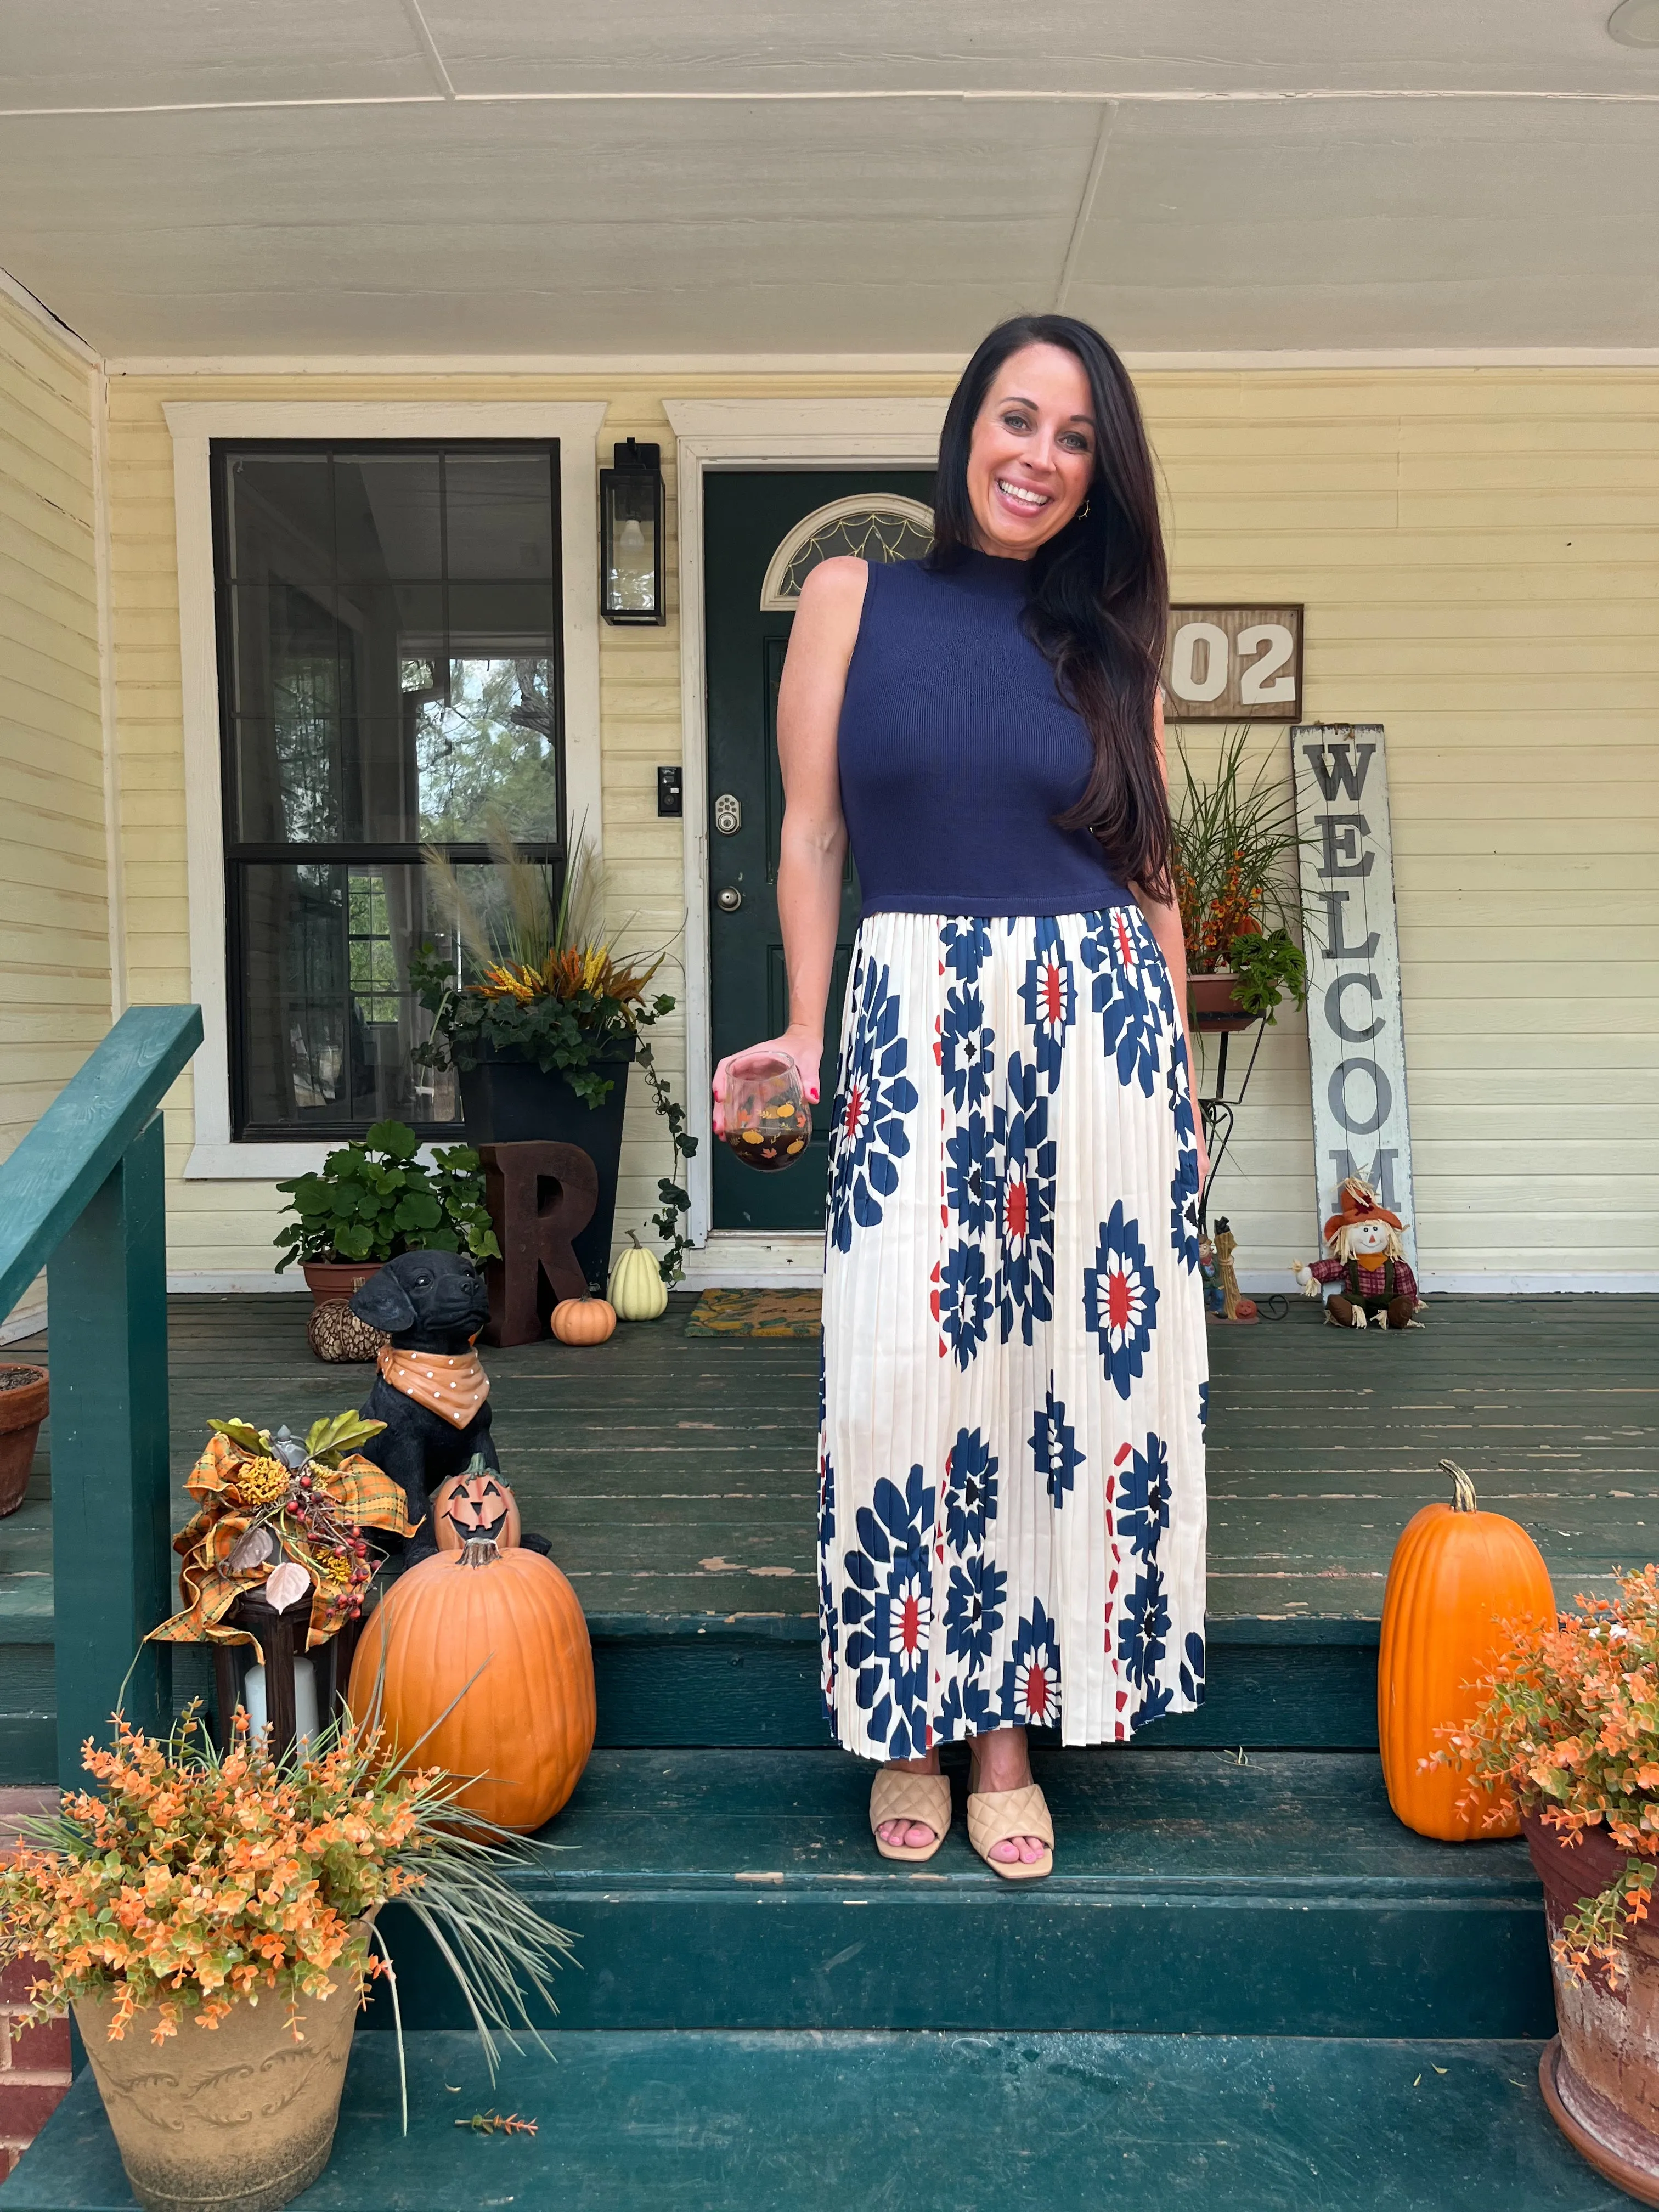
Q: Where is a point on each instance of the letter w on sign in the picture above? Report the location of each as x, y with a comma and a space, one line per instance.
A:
1356, 1041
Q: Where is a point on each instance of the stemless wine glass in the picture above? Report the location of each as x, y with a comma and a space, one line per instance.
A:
768, 1121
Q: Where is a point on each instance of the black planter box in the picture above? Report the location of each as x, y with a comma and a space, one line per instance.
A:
514, 1101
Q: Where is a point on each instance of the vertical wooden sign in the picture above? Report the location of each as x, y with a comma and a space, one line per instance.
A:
1356, 1040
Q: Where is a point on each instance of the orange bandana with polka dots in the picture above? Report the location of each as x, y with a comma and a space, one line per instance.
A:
452, 1384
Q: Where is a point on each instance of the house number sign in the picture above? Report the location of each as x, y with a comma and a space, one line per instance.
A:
1234, 664
1355, 1039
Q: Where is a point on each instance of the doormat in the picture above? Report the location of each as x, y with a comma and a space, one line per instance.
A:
755, 1313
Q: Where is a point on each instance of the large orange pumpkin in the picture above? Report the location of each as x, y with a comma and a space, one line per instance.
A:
498, 1634
1459, 1580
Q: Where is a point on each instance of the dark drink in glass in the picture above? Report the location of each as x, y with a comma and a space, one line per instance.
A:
768, 1121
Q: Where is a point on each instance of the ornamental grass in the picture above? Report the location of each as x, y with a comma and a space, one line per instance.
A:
1235, 848
192, 1880
1570, 1721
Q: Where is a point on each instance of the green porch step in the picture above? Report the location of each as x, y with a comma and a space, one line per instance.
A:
1192, 1895
745, 2122
1274, 1683
753, 1684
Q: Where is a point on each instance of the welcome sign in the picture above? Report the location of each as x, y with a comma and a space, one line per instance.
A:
1356, 1038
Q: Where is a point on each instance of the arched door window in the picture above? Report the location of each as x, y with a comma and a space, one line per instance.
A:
869, 525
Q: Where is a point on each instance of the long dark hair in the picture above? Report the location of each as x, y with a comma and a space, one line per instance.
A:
1098, 602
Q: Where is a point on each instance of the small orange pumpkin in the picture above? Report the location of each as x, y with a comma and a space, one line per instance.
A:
584, 1320
475, 1504
481, 1658
1459, 1581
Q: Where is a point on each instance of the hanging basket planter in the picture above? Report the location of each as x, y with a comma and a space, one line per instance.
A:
1213, 1004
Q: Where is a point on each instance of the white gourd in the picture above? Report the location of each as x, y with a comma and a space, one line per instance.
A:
637, 1290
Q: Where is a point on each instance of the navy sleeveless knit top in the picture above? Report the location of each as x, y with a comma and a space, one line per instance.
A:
957, 751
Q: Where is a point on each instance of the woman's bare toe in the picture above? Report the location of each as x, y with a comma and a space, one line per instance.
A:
905, 1835
1027, 1850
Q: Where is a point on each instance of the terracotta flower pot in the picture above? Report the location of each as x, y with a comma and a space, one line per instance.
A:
1600, 2075
328, 1279
22, 1408
1213, 1006
238, 2117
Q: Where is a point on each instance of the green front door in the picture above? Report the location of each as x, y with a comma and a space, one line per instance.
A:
747, 518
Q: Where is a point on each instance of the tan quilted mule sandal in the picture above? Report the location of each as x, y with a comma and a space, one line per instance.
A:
994, 1815
924, 1799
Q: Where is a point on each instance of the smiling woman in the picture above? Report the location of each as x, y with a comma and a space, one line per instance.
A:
1011, 1507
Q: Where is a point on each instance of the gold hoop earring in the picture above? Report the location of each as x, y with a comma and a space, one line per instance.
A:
1083, 510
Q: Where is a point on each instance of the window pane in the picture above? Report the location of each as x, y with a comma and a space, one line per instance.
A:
391, 640
499, 514
487, 754
285, 650
329, 1023
387, 518
280, 516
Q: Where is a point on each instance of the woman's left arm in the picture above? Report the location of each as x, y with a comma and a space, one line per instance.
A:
1164, 920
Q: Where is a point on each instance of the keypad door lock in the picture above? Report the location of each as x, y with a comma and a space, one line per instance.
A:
728, 814
729, 900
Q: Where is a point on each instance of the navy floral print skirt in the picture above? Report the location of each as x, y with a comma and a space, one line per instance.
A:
1011, 1505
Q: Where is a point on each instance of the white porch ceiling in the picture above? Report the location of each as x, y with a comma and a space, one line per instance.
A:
487, 177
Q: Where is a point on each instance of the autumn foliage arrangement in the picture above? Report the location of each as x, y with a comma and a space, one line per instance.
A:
189, 1880
1235, 862
1570, 1719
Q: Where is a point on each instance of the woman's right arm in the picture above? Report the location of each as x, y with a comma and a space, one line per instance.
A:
812, 850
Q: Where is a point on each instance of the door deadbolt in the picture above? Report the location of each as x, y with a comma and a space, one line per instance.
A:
729, 900
728, 814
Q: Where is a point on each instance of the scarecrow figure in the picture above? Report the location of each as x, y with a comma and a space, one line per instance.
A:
1369, 1260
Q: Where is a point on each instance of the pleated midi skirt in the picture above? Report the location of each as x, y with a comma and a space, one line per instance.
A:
1011, 1504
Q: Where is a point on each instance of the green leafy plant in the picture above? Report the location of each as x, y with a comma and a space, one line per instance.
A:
1571, 1720
1234, 843
675, 1205
374, 1198
1267, 964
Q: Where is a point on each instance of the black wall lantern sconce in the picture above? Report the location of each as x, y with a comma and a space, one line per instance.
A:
631, 535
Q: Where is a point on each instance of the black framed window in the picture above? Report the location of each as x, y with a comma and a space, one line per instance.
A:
390, 679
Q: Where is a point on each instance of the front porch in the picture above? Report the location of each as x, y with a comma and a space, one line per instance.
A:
1247, 1985
675, 1478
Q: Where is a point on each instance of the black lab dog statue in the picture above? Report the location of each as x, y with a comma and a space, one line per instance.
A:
433, 1303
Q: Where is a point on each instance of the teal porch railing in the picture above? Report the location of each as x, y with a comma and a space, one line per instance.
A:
82, 1196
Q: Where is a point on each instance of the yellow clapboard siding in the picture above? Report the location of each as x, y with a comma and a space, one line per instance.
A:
1422, 517
54, 912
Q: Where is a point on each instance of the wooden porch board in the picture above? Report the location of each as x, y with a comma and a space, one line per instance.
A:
676, 1476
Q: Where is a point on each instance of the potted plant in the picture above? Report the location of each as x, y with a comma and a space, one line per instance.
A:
1234, 848
23, 1395
374, 1199
539, 1017
1570, 1720
210, 1917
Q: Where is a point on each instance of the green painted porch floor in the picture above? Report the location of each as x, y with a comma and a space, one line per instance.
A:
746, 2122
676, 1475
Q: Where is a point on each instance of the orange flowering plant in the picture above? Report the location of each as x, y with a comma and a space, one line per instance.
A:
1570, 1721
192, 1878
1234, 861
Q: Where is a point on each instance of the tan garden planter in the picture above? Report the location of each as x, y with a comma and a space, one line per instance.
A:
238, 2117
328, 1280
1600, 2075
23, 1409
